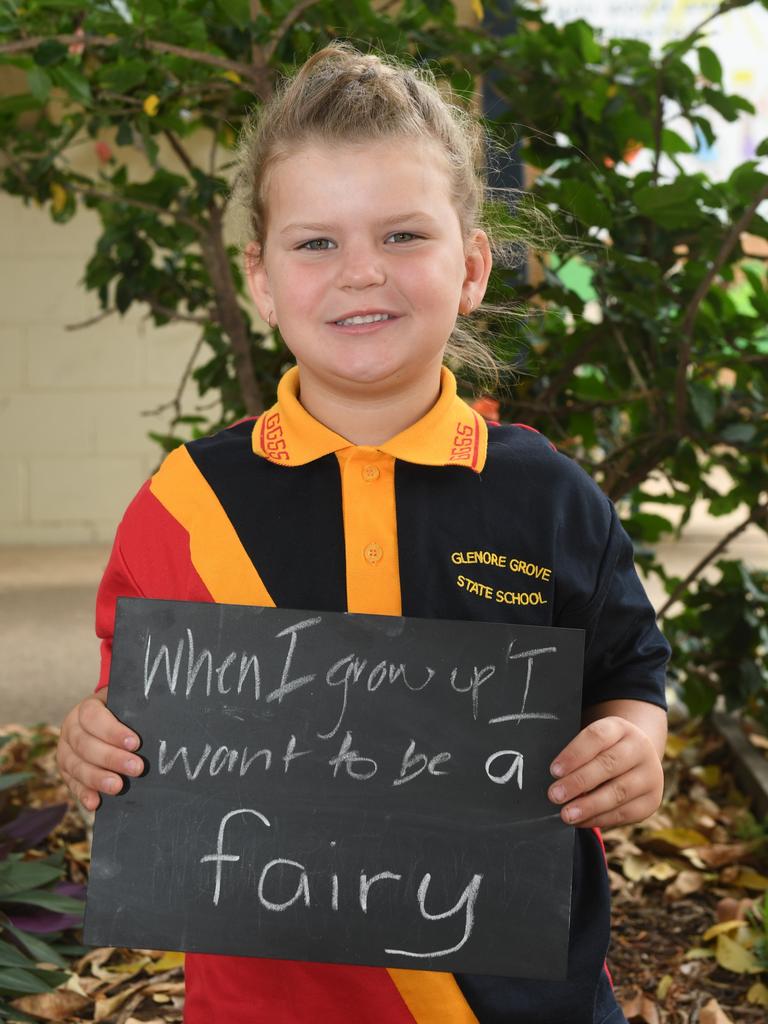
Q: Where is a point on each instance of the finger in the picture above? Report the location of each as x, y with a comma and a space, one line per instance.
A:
96, 718
95, 752
629, 813
90, 772
89, 798
587, 745
607, 764
622, 790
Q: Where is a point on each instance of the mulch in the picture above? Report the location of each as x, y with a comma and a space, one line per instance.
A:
667, 893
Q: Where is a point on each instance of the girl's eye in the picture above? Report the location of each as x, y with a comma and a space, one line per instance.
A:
315, 244
406, 235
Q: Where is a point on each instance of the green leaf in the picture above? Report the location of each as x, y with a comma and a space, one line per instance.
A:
40, 951
672, 205
124, 75
12, 779
738, 433
124, 135
762, 149
710, 65
673, 143
49, 52
74, 82
10, 956
237, 11
704, 403
580, 198
14, 979
18, 875
39, 82
47, 900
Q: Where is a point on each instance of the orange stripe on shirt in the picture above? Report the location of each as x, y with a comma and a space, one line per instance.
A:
373, 587
215, 549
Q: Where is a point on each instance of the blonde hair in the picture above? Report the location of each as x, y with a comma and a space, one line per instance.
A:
341, 95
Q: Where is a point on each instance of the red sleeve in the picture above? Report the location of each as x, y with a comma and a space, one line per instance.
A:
150, 558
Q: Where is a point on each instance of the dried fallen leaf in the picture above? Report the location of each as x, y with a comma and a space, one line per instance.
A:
663, 987
734, 957
166, 962
710, 774
747, 878
712, 1013
686, 883
662, 870
698, 953
635, 868
105, 1007
722, 928
57, 1005
675, 745
675, 838
717, 855
758, 994
641, 1009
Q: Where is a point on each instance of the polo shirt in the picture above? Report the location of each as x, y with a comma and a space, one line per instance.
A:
450, 519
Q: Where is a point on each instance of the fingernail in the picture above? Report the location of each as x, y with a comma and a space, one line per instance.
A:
558, 793
573, 813
130, 742
132, 766
111, 785
556, 769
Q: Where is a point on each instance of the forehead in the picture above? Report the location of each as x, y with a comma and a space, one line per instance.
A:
358, 178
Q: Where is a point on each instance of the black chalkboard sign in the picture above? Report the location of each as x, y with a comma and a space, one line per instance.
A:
358, 789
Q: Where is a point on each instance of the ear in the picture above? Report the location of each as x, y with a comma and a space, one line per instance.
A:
258, 282
478, 263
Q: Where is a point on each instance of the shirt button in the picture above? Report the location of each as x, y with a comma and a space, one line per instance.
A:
372, 553
371, 473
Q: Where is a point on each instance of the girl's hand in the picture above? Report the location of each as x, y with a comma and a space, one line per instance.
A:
94, 751
610, 774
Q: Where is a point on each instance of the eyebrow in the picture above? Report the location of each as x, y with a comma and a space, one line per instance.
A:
389, 219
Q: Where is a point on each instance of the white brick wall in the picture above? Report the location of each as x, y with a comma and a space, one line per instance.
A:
73, 437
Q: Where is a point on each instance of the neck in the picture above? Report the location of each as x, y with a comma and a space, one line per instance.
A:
365, 415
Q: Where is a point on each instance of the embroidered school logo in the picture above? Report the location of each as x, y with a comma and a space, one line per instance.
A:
501, 591
272, 440
465, 446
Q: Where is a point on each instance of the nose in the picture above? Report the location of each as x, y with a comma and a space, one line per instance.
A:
361, 265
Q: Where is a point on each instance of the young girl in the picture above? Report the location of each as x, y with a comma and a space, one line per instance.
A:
369, 487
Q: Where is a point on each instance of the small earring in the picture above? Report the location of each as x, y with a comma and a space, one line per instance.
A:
272, 326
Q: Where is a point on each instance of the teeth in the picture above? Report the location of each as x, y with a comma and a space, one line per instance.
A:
371, 319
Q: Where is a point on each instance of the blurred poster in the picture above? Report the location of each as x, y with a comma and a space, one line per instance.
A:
739, 38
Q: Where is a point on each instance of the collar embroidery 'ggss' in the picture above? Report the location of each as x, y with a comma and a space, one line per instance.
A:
500, 595
465, 444
272, 440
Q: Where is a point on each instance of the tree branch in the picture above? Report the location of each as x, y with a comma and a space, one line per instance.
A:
297, 10
91, 320
139, 204
229, 313
253, 74
180, 152
684, 44
173, 314
689, 317
175, 402
758, 513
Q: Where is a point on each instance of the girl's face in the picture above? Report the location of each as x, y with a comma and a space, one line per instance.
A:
361, 230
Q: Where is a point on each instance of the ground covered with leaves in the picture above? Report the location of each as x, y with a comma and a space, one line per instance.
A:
690, 891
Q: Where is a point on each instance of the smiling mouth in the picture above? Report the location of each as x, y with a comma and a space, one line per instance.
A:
364, 320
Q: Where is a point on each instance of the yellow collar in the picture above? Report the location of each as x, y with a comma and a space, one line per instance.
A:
450, 434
